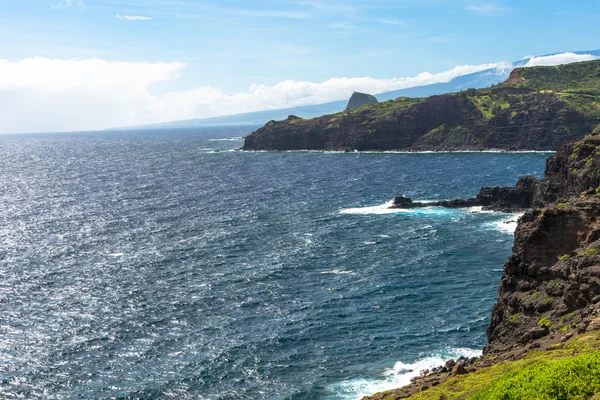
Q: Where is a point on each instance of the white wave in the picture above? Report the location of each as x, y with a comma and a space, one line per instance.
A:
385, 209
337, 272
397, 376
507, 224
233, 139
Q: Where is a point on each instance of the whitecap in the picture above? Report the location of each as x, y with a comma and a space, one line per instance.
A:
507, 224
233, 139
385, 209
397, 376
337, 272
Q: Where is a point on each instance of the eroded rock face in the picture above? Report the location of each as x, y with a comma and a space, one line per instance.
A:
551, 282
534, 121
358, 100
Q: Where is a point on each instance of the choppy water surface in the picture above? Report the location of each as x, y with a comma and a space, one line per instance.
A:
165, 265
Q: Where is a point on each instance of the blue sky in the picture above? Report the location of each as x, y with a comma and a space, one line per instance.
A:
233, 46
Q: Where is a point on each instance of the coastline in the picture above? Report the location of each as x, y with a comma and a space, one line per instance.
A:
544, 330
494, 151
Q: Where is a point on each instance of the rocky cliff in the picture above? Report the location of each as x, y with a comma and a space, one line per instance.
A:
548, 305
358, 100
552, 280
536, 109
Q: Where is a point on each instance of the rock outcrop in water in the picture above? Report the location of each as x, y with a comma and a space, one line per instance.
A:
549, 292
538, 108
358, 100
498, 198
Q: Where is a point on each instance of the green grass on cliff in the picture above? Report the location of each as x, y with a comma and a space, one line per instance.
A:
577, 85
569, 372
490, 105
581, 77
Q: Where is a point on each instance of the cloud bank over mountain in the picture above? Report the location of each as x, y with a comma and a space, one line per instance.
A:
44, 95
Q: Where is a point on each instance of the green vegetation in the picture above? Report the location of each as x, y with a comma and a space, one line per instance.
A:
571, 78
386, 107
569, 371
567, 97
572, 378
564, 257
513, 319
588, 252
546, 322
561, 206
490, 105
535, 295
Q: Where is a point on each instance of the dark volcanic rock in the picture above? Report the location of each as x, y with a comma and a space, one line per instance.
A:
358, 100
552, 279
497, 198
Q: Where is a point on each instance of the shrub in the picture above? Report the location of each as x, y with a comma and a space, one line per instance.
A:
572, 378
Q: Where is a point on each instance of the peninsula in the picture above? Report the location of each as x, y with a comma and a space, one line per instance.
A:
537, 108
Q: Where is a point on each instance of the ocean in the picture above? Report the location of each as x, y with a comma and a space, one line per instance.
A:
168, 265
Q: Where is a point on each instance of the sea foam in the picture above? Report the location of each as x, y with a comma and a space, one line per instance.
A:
385, 209
397, 376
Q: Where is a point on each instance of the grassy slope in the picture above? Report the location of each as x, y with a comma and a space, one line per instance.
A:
570, 371
577, 84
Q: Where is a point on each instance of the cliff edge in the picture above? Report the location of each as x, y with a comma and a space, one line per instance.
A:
544, 332
537, 108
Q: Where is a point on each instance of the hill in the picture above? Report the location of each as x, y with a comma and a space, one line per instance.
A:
537, 108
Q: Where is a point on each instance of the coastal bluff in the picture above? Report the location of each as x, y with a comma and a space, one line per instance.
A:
545, 325
537, 108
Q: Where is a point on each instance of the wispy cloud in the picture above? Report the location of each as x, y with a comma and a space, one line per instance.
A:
488, 9
392, 22
343, 26
67, 3
331, 7
133, 17
558, 59
272, 14
67, 94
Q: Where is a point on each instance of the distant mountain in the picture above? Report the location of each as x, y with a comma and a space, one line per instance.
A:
476, 80
358, 100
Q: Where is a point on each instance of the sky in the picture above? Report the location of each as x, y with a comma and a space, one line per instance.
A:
94, 64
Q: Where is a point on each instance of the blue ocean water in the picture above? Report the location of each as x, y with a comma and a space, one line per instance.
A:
164, 264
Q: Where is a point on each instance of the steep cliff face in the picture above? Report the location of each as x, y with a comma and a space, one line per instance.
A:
358, 100
536, 109
552, 280
548, 304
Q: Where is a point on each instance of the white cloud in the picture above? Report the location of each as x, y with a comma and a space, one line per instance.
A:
391, 22
488, 9
133, 17
42, 95
68, 3
558, 59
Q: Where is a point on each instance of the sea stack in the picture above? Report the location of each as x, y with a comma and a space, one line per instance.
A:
358, 100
